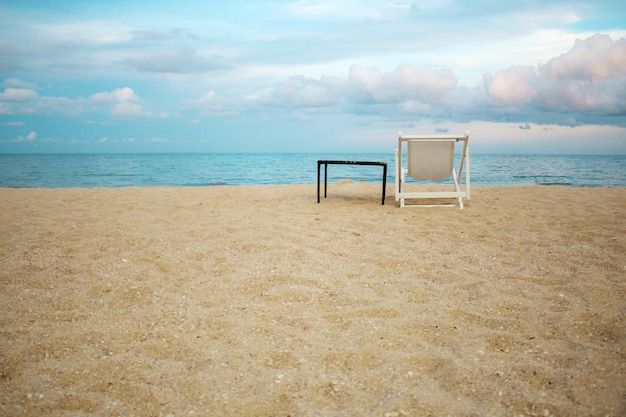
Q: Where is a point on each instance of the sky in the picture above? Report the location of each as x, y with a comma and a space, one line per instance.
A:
311, 75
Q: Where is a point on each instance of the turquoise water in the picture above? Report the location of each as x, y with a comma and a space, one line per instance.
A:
193, 170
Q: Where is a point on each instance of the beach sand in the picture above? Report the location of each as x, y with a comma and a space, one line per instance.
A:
257, 301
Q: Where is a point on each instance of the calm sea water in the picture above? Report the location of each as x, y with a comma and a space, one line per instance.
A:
192, 170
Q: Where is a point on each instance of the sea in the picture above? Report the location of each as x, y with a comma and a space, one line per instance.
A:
210, 169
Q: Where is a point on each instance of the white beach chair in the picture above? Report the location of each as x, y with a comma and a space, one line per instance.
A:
431, 158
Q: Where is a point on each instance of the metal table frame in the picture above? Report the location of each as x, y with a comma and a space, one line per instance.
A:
334, 162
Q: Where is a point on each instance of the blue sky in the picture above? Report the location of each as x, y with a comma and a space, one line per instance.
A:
311, 75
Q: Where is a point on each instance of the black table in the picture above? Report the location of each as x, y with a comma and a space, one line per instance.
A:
334, 162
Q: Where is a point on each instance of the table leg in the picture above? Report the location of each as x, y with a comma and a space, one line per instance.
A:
325, 178
318, 182
384, 182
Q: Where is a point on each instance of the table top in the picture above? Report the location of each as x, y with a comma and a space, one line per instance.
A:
333, 161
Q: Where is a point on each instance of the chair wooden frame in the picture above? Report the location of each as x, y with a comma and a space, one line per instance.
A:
413, 145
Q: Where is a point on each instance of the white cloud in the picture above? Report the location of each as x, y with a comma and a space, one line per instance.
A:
101, 98
406, 82
415, 107
406, 85
209, 104
18, 95
17, 83
597, 58
513, 86
427, 84
309, 92
128, 110
586, 83
367, 79
30, 137
125, 104
516, 93
27, 101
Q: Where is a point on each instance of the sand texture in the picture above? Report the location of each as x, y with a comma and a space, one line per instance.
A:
257, 301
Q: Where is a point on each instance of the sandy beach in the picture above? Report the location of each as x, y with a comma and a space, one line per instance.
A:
257, 301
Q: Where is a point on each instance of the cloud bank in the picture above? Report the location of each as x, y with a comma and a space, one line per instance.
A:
171, 72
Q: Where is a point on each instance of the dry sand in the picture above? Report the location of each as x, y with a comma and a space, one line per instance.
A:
257, 301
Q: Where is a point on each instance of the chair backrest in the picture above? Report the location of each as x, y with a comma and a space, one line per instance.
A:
430, 159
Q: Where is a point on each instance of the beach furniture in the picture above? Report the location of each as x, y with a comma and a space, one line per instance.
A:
327, 162
431, 158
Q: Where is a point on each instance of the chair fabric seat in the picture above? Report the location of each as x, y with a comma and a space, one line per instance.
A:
431, 160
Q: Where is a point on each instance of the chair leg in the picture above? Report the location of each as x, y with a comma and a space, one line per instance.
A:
457, 188
402, 179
